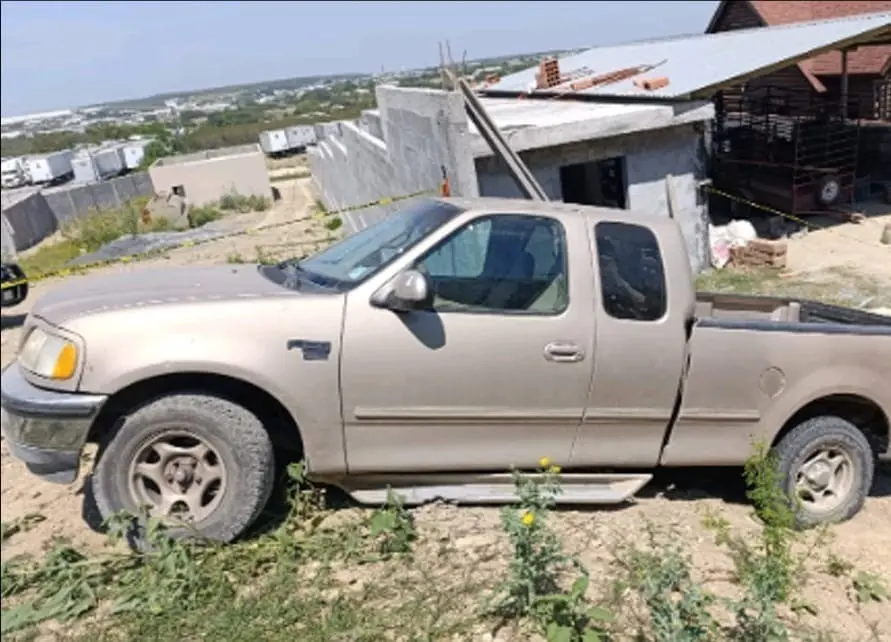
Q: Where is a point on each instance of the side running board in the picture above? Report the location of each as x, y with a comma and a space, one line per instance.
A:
612, 488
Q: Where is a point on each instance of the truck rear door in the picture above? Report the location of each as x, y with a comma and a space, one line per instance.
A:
643, 301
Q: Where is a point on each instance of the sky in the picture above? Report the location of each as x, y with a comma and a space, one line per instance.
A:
58, 55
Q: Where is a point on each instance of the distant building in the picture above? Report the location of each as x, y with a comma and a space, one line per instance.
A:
205, 177
49, 115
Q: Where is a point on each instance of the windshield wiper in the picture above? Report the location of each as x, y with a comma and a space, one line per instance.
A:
292, 270
287, 263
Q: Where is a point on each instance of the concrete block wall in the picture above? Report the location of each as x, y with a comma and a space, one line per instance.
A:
30, 218
69, 202
423, 132
25, 222
649, 157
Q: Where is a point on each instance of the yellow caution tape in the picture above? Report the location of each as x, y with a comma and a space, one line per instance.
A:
776, 212
758, 206
13, 284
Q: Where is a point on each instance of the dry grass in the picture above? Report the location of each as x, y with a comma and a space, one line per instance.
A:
87, 234
839, 286
316, 573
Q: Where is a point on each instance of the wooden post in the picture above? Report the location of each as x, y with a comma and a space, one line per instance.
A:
844, 83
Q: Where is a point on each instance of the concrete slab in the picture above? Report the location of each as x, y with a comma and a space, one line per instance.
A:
536, 123
532, 124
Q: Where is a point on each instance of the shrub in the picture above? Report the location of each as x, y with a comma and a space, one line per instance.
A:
235, 202
204, 214
97, 228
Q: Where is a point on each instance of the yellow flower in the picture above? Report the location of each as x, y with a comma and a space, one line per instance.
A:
555, 470
544, 462
528, 518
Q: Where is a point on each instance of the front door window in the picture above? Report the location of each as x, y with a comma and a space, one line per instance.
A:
500, 264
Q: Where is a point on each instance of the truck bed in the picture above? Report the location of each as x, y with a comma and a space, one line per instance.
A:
728, 310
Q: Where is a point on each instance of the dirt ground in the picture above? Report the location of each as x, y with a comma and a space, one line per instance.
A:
679, 501
853, 246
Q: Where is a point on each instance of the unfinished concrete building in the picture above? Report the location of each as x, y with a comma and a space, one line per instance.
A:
205, 177
612, 144
613, 155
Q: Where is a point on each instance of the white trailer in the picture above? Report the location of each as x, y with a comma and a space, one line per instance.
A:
50, 168
134, 152
300, 136
109, 161
274, 141
84, 169
13, 173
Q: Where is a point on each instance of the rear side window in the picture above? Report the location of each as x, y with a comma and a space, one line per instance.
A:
632, 276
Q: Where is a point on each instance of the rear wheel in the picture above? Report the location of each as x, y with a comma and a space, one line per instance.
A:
827, 468
202, 464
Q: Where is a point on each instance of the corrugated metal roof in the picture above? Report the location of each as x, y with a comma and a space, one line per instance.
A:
696, 66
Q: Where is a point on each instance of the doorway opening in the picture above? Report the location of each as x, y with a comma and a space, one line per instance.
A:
601, 182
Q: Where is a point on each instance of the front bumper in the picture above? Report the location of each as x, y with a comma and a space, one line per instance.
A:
45, 429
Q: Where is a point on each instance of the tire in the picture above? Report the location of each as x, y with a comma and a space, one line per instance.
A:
834, 435
240, 446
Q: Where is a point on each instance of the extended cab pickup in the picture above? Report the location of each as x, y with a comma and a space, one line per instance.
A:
433, 352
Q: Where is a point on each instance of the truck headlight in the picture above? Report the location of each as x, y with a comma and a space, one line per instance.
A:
48, 355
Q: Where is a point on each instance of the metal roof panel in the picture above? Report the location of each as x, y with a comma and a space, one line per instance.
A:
698, 65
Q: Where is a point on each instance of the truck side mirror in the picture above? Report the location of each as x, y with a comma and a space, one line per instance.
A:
409, 290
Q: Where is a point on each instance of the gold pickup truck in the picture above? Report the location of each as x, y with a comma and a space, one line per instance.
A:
433, 352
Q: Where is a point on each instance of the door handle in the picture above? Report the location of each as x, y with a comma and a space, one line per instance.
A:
563, 352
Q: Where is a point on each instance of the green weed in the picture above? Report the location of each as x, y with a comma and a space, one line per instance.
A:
392, 526
765, 567
532, 588
868, 587
677, 607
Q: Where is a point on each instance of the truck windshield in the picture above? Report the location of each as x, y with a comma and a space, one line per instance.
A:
357, 257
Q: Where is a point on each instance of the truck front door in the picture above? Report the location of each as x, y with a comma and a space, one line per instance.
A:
496, 374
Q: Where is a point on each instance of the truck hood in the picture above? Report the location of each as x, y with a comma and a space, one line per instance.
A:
84, 296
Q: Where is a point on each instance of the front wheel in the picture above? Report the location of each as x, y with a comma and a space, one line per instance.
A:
202, 464
827, 468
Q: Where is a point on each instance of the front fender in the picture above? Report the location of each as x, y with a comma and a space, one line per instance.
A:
252, 348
